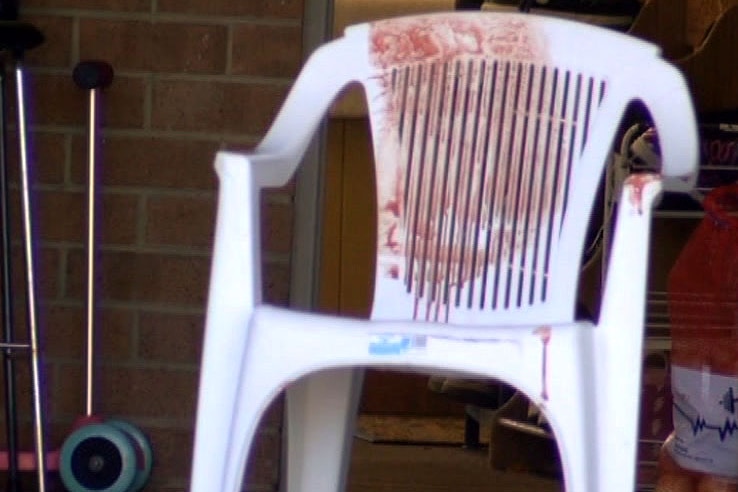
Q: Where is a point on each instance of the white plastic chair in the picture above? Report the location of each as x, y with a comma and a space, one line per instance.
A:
491, 133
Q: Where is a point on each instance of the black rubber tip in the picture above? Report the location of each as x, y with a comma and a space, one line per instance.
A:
93, 74
19, 36
9, 10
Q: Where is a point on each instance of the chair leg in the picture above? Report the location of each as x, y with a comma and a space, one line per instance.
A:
216, 402
471, 432
321, 412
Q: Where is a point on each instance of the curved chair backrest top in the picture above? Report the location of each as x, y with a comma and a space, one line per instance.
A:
491, 133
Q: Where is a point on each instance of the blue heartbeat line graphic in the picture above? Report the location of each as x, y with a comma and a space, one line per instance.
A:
699, 424
728, 402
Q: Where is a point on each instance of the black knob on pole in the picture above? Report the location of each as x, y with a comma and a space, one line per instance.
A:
93, 74
19, 37
9, 10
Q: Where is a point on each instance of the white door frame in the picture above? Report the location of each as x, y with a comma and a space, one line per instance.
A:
305, 264
317, 27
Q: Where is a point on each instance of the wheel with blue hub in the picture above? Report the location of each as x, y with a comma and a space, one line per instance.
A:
142, 447
98, 458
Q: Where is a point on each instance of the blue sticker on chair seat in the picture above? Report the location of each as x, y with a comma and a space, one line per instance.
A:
394, 344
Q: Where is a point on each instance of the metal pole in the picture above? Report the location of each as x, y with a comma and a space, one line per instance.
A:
38, 409
11, 415
91, 194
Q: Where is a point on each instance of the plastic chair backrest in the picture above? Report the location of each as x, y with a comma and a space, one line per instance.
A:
486, 162
491, 133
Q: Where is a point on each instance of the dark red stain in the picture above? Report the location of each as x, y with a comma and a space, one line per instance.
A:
636, 183
392, 242
439, 260
442, 38
393, 206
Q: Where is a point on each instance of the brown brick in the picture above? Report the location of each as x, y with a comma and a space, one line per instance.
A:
47, 156
276, 231
112, 5
56, 51
24, 388
66, 335
155, 46
46, 275
58, 101
145, 277
118, 214
132, 392
224, 107
148, 392
274, 414
170, 337
52, 99
276, 283
267, 50
173, 454
149, 162
114, 334
63, 216
258, 8
68, 395
180, 220
263, 466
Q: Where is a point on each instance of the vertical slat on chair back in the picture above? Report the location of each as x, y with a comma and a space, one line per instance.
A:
475, 144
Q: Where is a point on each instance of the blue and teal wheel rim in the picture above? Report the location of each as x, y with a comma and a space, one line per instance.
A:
142, 448
98, 458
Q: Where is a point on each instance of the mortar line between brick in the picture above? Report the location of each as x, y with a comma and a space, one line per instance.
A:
136, 337
199, 193
74, 52
137, 364
61, 273
148, 102
184, 251
279, 198
229, 49
141, 219
163, 17
67, 180
137, 307
237, 139
284, 82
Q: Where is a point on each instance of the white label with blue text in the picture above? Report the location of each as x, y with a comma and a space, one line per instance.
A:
705, 426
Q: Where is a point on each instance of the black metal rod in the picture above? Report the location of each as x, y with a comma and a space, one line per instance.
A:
11, 415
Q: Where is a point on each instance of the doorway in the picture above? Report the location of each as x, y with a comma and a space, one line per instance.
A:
342, 167
346, 266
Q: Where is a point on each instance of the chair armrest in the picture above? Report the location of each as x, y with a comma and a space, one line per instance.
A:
676, 125
627, 270
326, 72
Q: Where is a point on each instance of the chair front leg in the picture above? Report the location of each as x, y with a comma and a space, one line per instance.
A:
321, 412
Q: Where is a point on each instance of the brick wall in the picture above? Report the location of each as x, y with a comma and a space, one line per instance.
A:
191, 76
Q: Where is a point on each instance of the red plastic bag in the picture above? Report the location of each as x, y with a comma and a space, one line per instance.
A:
701, 455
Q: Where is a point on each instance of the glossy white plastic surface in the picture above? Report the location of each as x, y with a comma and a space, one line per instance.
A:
491, 134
